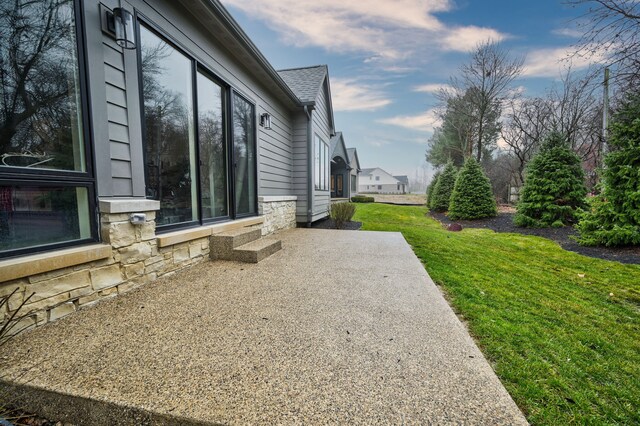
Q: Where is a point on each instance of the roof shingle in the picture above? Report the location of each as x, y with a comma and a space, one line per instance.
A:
305, 82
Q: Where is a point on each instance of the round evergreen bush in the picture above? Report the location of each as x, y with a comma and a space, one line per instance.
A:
472, 196
443, 188
432, 186
613, 217
554, 186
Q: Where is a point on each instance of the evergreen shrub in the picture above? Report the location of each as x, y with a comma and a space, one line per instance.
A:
443, 188
472, 196
554, 186
613, 216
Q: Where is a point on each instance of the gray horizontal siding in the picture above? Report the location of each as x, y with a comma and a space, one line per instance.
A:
117, 118
321, 199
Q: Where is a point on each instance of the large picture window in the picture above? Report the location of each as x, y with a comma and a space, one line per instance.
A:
200, 138
321, 164
46, 189
213, 150
167, 89
244, 155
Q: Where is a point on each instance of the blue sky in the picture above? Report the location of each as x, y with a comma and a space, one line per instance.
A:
386, 57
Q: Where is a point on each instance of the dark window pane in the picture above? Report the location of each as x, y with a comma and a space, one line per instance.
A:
213, 153
40, 112
37, 215
244, 151
169, 129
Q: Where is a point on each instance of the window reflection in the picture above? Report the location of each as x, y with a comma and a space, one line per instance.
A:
213, 164
38, 215
40, 112
169, 129
244, 152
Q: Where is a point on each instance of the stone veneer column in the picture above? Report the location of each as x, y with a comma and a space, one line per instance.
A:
279, 213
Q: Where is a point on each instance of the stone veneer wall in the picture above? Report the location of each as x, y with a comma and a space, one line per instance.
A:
135, 260
279, 213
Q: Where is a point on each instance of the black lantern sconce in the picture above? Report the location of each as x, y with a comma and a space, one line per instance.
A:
265, 121
119, 23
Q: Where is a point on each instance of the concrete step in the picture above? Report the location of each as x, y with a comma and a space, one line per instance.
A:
255, 251
223, 243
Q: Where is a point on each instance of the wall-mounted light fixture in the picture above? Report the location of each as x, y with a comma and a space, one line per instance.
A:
265, 121
119, 23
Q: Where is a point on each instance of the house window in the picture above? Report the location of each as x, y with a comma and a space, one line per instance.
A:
377, 177
212, 147
321, 164
200, 139
353, 184
170, 153
46, 185
379, 187
244, 156
398, 187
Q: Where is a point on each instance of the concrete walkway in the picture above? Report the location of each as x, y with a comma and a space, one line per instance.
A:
340, 327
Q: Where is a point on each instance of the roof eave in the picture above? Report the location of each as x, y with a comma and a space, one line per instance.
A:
225, 17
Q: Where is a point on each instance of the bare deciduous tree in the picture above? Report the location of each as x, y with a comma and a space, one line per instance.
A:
612, 27
485, 82
571, 108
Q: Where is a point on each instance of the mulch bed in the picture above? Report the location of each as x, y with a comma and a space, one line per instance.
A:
504, 223
330, 224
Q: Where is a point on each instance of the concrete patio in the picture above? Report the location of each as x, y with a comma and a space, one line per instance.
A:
340, 327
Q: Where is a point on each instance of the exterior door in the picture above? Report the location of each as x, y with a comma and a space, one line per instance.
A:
339, 186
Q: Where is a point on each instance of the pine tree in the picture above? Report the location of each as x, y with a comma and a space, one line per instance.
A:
554, 186
443, 188
432, 186
613, 218
472, 196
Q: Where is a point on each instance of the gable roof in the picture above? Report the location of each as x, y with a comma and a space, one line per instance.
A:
353, 153
368, 171
338, 149
403, 179
305, 82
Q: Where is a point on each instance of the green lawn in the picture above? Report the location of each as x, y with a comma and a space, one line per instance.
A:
561, 330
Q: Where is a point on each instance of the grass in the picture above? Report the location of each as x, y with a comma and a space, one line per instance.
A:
561, 330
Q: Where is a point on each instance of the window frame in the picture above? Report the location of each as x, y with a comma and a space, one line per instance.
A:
232, 185
66, 178
321, 148
228, 92
227, 134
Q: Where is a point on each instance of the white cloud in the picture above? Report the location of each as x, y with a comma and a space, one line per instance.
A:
388, 31
465, 39
552, 62
433, 88
568, 32
424, 122
350, 95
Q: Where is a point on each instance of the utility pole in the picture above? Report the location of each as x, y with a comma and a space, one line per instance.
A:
605, 110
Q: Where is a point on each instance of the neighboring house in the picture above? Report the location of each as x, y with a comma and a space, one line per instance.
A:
354, 172
403, 183
118, 165
378, 181
344, 168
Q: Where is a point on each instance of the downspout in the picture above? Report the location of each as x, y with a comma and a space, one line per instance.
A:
310, 175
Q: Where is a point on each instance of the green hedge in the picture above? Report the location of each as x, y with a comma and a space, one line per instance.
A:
362, 199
